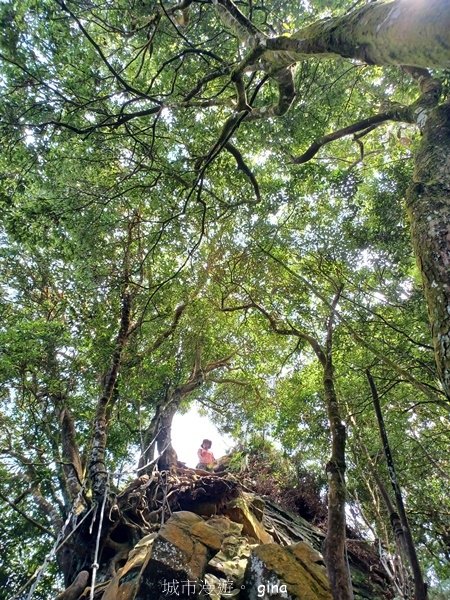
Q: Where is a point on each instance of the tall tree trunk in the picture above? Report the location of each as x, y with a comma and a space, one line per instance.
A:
335, 548
158, 435
428, 204
168, 457
420, 589
401, 571
335, 551
149, 441
97, 466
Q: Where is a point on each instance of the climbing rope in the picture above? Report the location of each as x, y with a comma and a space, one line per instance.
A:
36, 578
60, 540
41, 570
95, 564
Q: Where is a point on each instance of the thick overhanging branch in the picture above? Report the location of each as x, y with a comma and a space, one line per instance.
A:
379, 33
394, 33
256, 58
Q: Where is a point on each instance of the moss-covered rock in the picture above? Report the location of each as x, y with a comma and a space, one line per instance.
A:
277, 572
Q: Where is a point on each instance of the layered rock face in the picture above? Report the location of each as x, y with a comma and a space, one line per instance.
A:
198, 557
215, 541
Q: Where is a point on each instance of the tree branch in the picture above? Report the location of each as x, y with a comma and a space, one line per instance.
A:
340, 133
119, 78
242, 166
26, 517
416, 112
382, 356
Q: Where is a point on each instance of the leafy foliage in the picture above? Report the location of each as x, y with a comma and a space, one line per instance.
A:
116, 176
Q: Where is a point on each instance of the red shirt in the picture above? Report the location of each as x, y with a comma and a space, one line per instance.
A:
206, 457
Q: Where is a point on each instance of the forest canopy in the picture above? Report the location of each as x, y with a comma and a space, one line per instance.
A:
244, 204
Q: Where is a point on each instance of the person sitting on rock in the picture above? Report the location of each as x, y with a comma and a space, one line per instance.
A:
206, 458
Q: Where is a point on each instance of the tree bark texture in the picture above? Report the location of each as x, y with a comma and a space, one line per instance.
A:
403, 32
428, 205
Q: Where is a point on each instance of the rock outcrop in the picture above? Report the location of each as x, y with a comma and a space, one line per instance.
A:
217, 542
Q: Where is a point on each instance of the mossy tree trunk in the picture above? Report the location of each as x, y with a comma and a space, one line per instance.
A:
335, 549
379, 33
402, 32
428, 204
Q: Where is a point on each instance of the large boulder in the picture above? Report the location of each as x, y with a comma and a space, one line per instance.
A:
219, 544
277, 572
179, 557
